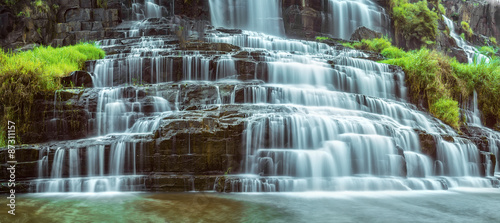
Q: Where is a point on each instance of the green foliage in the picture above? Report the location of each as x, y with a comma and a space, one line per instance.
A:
466, 27
393, 52
102, 4
10, 3
442, 9
321, 38
487, 50
376, 45
446, 110
41, 6
414, 21
429, 77
3, 137
493, 40
485, 79
25, 74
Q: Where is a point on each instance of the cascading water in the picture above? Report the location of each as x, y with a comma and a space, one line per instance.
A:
256, 15
338, 122
470, 110
473, 55
345, 16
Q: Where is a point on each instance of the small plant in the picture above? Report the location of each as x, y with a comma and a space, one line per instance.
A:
102, 4
41, 6
466, 28
462, 35
493, 40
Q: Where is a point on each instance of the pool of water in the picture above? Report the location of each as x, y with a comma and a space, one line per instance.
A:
460, 205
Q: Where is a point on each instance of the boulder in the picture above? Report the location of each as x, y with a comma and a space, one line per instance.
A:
364, 33
78, 79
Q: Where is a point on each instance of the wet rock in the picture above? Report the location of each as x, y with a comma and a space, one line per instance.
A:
483, 16
225, 47
82, 15
230, 31
8, 21
364, 33
428, 145
77, 79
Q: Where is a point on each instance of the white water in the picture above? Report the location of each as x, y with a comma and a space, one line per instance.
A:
473, 55
341, 123
255, 15
345, 16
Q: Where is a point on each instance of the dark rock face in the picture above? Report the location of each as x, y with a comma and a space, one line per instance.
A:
7, 24
61, 23
483, 16
302, 21
428, 145
365, 33
78, 79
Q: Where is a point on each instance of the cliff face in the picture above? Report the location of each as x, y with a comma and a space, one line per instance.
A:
59, 22
483, 16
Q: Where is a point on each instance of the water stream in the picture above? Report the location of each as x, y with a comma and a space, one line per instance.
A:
347, 126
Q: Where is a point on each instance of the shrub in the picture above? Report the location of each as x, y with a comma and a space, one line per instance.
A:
414, 21
376, 45
447, 110
430, 78
393, 52
493, 40
467, 29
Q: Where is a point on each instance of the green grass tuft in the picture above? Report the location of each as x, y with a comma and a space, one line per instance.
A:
25, 74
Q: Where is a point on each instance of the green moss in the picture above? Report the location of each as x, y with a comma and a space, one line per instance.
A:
26, 74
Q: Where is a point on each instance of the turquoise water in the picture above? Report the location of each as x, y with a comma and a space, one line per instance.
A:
462, 205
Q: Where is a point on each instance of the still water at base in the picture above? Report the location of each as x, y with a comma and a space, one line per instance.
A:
458, 205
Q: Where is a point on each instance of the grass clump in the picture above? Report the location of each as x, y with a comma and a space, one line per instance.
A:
376, 45
488, 51
447, 110
431, 81
26, 74
438, 82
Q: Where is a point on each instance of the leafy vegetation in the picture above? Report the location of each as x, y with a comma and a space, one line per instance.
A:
467, 29
23, 75
415, 22
438, 82
493, 40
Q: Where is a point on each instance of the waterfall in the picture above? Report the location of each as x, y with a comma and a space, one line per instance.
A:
345, 16
312, 117
255, 15
473, 55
